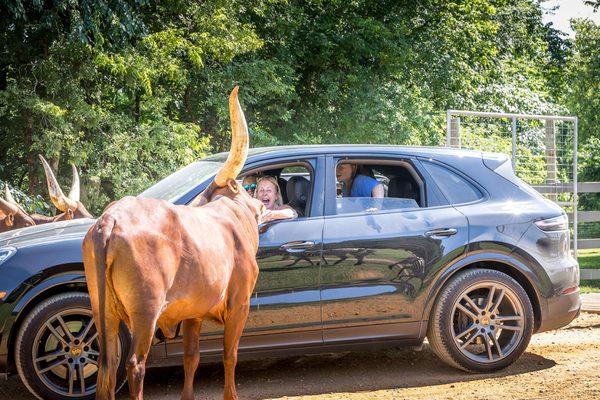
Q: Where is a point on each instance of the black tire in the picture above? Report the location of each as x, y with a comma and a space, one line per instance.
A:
474, 352
36, 340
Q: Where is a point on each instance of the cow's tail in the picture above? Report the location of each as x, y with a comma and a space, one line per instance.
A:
98, 237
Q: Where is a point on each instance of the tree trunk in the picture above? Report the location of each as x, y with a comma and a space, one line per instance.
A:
34, 182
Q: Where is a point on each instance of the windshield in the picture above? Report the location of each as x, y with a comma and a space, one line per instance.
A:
181, 182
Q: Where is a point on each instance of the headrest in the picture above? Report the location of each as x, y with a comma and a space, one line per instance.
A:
297, 189
401, 187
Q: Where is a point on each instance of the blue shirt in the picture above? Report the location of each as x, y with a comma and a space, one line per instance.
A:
362, 186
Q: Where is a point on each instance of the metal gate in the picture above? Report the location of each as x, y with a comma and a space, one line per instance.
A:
543, 150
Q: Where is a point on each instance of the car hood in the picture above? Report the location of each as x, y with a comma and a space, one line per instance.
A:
46, 232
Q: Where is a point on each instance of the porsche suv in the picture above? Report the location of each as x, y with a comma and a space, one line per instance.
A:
459, 251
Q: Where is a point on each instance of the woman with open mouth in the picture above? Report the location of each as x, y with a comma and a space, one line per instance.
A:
268, 191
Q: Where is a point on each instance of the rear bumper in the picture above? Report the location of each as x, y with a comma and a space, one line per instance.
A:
560, 311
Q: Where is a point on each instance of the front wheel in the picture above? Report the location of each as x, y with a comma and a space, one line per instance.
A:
482, 321
56, 351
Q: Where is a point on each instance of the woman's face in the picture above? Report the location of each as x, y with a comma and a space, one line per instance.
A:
344, 172
267, 193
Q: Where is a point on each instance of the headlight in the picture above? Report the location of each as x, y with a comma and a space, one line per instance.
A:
554, 224
6, 253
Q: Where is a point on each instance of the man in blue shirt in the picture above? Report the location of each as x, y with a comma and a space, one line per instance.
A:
356, 184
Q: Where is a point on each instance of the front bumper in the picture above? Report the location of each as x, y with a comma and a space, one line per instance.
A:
560, 311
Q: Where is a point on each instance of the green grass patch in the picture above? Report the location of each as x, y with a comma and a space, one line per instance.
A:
590, 286
589, 258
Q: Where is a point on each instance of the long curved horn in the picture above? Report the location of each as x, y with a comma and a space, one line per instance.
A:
74, 193
60, 201
239, 142
8, 195
8, 208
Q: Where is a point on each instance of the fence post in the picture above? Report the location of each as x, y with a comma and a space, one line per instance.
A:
551, 167
455, 132
514, 143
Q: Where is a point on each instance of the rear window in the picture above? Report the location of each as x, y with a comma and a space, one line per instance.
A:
456, 189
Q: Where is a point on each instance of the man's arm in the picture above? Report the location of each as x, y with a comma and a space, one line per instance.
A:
378, 191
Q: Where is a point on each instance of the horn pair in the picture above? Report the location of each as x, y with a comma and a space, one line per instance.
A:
60, 201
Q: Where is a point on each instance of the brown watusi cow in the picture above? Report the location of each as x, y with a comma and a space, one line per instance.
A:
70, 205
149, 262
12, 215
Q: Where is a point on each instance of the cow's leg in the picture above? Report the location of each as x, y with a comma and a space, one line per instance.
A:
108, 363
234, 325
142, 331
191, 357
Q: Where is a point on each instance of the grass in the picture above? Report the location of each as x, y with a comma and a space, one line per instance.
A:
590, 286
589, 258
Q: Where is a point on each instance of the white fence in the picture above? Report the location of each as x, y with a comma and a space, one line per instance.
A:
543, 150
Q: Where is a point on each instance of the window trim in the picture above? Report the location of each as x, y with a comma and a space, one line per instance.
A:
304, 163
316, 163
404, 161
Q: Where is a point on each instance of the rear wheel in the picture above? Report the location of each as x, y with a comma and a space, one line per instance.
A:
56, 351
482, 321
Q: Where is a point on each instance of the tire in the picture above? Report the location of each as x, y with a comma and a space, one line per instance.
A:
463, 339
44, 373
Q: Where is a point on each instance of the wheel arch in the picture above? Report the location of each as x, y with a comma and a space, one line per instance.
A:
64, 282
502, 262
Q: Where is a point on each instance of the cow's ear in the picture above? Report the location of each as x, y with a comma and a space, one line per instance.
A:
10, 220
233, 185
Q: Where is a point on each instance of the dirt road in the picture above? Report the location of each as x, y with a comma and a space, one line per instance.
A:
557, 365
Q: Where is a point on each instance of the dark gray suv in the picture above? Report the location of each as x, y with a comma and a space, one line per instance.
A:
459, 251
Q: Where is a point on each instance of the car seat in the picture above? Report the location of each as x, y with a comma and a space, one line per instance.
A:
297, 194
403, 186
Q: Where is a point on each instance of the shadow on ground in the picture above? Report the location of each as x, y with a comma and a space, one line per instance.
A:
311, 375
329, 373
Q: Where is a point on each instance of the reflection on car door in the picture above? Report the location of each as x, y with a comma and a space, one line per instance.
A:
375, 264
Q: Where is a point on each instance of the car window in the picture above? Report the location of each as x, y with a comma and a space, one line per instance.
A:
294, 183
349, 205
456, 189
355, 187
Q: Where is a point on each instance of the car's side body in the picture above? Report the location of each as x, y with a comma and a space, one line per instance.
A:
369, 277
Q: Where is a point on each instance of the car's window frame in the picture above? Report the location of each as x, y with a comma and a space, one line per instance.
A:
303, 163
430, 193
317, 163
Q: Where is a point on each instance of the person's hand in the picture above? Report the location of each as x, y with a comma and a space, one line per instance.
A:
267, 216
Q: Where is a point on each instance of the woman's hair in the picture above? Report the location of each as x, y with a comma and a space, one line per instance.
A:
273, 180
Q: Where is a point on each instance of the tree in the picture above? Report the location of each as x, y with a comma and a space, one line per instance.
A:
583, 74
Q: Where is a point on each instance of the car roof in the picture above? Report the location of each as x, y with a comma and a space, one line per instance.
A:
257, 153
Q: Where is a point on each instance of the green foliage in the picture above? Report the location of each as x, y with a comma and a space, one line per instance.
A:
132, 90
31, 204
583, 74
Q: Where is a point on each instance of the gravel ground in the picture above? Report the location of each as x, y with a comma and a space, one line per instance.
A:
557, 365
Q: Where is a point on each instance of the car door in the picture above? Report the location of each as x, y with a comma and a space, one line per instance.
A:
376, 262
285, 306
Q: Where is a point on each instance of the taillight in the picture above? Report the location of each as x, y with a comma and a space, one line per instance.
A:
560, 223
570, 290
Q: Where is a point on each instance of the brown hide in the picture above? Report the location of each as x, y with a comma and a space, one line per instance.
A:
12, 216
80, 212
149, 262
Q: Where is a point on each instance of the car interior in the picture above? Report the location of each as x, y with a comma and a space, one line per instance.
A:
294, 180
403, 187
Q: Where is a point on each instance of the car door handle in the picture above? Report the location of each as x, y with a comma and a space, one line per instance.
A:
297, 246
443, 232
